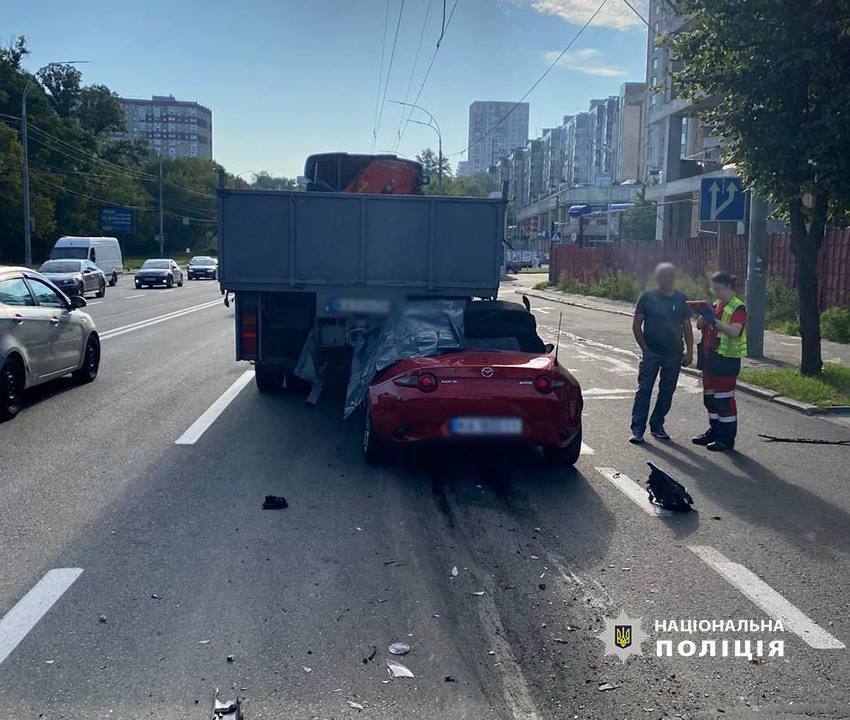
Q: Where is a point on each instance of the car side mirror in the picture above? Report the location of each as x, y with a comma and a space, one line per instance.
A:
549, 347
77, 302
87, 271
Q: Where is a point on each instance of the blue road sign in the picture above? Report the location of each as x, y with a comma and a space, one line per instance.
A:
116, 219
721, 199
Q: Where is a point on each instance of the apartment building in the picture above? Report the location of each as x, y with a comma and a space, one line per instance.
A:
495, 128
173, 128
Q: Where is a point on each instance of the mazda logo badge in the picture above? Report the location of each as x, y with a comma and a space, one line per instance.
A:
487, 372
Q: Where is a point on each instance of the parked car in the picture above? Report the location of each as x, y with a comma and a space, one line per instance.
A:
75, 277
159, 271
202, 266
105, 252
43, 336
504, 384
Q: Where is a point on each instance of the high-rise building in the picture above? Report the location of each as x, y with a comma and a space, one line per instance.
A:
174, 128
604, 121
578, 153
490, 139
631, 124
533, 179
553, 140
516, 186
678, 148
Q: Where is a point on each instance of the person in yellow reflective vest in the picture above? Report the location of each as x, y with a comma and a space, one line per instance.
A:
723, 344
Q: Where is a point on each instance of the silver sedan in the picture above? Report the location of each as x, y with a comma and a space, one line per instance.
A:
43, 336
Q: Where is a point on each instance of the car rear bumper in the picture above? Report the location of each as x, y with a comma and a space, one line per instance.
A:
546, 420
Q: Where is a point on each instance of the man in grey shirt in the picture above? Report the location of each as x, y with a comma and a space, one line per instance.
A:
662, 320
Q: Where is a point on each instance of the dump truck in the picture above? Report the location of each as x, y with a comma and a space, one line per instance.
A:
311, 268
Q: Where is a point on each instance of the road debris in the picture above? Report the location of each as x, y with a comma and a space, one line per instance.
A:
604, 687
230, 658
397, 670
102, 618
230, 709
154, 596
449, 678
803, 440
477, 593
355, 705
203, 642
275, 502
454, 571
666, 492
399, 648
371, 655
307, 669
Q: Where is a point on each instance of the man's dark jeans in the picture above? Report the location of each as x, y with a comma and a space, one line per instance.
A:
649, 369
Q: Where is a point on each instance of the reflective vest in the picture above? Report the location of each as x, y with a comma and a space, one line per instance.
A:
732, 347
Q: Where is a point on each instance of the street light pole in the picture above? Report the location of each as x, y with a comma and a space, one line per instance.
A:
25, 164
161, 228
436, 128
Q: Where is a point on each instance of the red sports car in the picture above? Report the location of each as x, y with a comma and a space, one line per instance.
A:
474, 393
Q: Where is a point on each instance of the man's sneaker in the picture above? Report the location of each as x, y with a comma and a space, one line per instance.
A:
636, 438
659, 433
718, 447
705, 439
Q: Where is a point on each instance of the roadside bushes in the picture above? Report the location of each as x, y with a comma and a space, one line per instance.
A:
616, 286
835, 324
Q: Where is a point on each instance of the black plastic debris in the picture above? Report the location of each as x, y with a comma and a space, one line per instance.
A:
803, 440
666, 492
449, 678
228, 709
275, 502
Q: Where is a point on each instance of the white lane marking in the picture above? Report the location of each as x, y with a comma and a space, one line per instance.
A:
132, 297
587, 450
760, 593
23, 617
89, 303
612, 397
153, 321
632, 491
593, 392
200, 426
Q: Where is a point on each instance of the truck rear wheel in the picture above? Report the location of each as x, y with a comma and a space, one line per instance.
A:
269, 379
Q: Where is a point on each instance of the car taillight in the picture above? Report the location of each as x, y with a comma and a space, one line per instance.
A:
249, 332
425, 382
545, 384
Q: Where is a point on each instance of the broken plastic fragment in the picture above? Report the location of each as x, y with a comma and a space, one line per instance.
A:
454, 571
399, 648
275, 502
397, 670
477, 593
355, 705
606, 686
203, 642
308, 669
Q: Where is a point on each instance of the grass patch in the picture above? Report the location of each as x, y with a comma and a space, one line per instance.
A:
616, 286
542, 285
831, 387
535, 270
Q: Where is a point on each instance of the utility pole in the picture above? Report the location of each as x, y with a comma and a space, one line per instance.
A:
25, 172
161, 228
435, 126
756, 280
25, 164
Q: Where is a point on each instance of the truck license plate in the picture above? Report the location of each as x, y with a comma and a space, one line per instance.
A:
486, 426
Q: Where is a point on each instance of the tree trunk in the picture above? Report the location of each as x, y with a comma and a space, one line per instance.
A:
805, 244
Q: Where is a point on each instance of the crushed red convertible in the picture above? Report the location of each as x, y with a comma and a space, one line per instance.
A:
505, 387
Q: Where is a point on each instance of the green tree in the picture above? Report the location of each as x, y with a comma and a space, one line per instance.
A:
265, 181
99, 110
638, 224
62, 84
429, 160
777, 75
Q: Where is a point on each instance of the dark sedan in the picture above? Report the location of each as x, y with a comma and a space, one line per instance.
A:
75, 277
159, 271
202, 266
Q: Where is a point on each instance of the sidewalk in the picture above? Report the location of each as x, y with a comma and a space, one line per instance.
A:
778, 349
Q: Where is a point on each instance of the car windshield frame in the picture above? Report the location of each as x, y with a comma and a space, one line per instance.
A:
160, 265
79, 264
202, 260
69, 252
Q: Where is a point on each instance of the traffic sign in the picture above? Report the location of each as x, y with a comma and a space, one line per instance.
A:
721, 199
116, 219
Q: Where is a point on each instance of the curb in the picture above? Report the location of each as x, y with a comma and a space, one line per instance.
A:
746, 388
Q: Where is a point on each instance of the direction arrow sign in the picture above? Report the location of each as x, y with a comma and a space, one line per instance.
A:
721, 199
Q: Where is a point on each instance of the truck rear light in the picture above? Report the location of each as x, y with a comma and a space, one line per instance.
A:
249, 332
545, 384
425, 382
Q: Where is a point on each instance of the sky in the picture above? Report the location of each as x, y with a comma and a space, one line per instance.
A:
287, 78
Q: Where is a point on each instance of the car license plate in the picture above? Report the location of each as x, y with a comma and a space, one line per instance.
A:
486, 426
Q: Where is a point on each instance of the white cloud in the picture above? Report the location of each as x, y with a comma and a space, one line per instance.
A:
616, 13
587, 62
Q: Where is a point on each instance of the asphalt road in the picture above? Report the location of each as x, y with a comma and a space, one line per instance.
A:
133, 566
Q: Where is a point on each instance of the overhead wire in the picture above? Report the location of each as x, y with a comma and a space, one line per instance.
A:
427, 72
380, 76
415, 62
389, 70
540, 79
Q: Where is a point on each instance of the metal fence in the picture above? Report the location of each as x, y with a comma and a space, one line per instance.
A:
697, 257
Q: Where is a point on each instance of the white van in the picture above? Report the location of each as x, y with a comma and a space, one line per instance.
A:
105, 252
